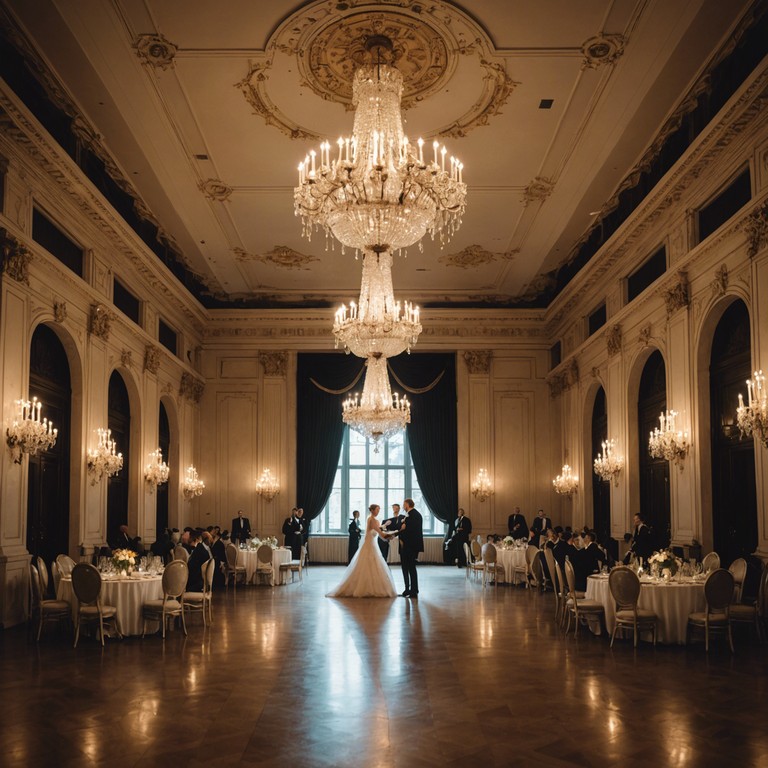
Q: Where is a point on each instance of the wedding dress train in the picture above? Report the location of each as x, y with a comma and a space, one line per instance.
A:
368, 574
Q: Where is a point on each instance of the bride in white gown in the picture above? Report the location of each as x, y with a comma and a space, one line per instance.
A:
368, 574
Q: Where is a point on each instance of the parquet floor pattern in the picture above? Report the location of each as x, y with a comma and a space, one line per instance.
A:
461, 677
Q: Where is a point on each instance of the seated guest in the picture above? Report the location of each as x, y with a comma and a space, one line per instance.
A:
588, 561
163, 546
199, 556
565, 548
123, 540
533, 538
207, 539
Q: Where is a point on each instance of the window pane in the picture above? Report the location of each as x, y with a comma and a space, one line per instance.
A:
334, 511
396, 478
357, 478
394, 496
376, 458
357, 501
337, 479
376, 478
396, 450
357, 454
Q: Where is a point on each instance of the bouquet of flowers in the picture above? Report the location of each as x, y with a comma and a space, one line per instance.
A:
665, 562
272, 541
508, 542
124, 559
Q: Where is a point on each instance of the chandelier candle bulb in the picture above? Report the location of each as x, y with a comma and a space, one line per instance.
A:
752, 419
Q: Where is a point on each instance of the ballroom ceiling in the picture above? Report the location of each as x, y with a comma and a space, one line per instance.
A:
207, 108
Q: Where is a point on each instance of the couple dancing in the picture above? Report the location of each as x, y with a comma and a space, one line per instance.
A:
368, 574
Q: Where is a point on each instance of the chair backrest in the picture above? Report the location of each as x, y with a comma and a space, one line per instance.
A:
86, 583
180, 553
56, 576
489, 554
738, 570
762, 593
231, 552
264, 555
477, 552
625, 587
536, 570
208, 569
42, 576
718, 589
710, 562
303, 555
530, 555
549, 559
467, 554
175, 578
561, 580
66, 564
34, 580
570, 577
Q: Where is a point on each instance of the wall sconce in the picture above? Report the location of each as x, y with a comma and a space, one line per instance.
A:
104, 460
27, 433
608, 464
566, 483
267, 485
668, 443
482, 487
753, 418
156, 472
193, 485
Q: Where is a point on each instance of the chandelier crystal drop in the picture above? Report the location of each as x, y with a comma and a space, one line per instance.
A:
667, 442
566, 483
378, 414
29, 433
104, 459
608, 464
377, 325
753, 417
375, 191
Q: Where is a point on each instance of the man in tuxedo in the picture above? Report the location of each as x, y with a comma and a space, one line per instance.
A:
390, 524
541, 524
411, 543
288, 528
462, 530
354, 535
642, 539
516, 525
241, 527
200, 555
123, 540
587, 561
293, 530
303, 539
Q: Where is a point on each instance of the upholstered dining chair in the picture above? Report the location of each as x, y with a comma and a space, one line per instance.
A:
710, 562
491, 566
202, 601
624, 585
577, 607
295, 566
42, 570
474, 564
549, 557
86, 584
44, 610
180, 553
172, 602
531, 576
264, 563
755, 612
718, 592
66, 564
738, 569
477, 550
232, 567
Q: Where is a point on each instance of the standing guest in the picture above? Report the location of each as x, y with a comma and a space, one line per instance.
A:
390, 524
241, 528
199, 556
288, 528
354, 535
305, 526
642, 540
462, 531
541, 524
411, 544
219, 552
516, 525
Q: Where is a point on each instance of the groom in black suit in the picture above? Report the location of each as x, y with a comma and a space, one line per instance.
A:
411, 543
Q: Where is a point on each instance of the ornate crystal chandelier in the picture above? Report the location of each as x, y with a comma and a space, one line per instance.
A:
28, 433
378, 325
566, 483
378, 413
193, 485
608, 464
482, 487
753, 418
156, 472
379, 193
104, 459
267, 485
666, 442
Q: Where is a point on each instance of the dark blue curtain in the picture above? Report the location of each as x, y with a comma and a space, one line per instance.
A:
431, 434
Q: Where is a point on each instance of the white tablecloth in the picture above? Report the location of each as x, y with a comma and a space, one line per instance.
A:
247, 557
511, 559
127, 595
671, 602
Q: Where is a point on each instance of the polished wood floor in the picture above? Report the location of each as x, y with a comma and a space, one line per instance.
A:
460, 677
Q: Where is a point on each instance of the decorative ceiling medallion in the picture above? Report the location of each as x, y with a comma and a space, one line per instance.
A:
539, 189
326, 39
474, 256
214, 189
602, 49
279, 256
155, 51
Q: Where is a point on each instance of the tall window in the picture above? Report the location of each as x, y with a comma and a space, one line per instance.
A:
365, 477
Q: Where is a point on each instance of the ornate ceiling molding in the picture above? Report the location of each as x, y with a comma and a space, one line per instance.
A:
478, 360
191, 387
214, 189
538, 190
280, 256
155, 51
475, 256
602, 49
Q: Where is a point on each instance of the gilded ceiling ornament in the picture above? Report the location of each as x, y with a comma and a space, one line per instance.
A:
155, 51
719, 283
539, 189
279, 256
59, 311
151, 358
676, 295
756, 228
478, 360
273, 363
602, 49
100, 321
191, 387
16, 257
613, 340
214, 189
474, 256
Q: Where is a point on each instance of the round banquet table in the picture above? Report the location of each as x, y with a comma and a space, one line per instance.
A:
127, 595
511, 559
671, 601
248, 558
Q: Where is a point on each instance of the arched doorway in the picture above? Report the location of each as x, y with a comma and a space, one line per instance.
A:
119, 421
48, 479
601, 489
654, 473
734, 491
164, 440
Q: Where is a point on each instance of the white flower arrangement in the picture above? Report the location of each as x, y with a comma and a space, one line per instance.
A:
270, 540
124, 559
666, 563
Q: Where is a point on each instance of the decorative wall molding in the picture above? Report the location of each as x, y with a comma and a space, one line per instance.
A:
100, 321
151, 358
564, 377
274, 363
676, 294
475, 256
16, 257
538, 190
279, 256
214, 189
191, 387
756, 228
478, 360
155, 51
602, 49
59, 310
644, 337
613, 340
719, 282
126, 358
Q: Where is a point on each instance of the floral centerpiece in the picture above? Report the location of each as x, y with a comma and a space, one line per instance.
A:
508, 542
665, 562
270, 540
124, 559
